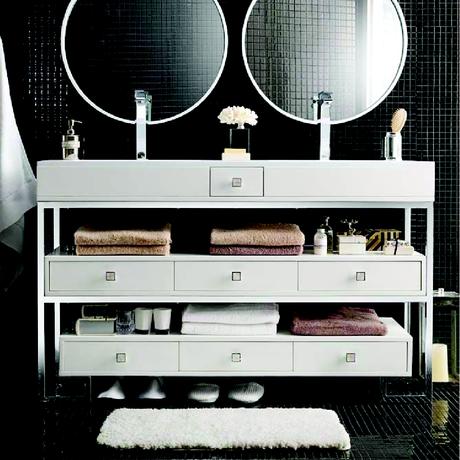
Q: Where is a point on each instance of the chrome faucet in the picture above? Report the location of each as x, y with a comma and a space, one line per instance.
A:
322, 112
143, 114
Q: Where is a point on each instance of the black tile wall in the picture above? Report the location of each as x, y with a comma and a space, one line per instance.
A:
44, 99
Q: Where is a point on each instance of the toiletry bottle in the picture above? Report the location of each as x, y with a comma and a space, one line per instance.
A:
329, 234
320, 242
70, 142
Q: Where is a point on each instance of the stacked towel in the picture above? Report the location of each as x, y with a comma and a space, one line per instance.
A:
233, 319
322, 320
100, 241
258, 239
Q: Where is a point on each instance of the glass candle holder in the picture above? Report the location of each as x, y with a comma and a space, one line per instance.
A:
240, 139
125, 323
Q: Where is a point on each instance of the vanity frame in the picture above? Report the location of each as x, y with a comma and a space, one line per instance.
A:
211, 184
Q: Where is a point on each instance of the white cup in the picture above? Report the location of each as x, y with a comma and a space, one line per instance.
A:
143, 320
162, 320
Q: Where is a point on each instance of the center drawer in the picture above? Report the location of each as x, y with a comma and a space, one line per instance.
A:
236, 276
237, 181
235, 356
109, 277
117, 357
356, 277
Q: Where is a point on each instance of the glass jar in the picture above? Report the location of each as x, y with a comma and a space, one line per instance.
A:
320, 242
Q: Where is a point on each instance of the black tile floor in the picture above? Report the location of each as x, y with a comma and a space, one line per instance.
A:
396, 427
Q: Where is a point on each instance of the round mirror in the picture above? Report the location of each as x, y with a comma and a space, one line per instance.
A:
175, 50
296, 50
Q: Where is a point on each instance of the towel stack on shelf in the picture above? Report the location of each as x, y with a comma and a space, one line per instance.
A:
91, 241
259, 239
233, 319
322, 320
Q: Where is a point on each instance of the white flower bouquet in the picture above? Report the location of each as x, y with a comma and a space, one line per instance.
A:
238, 115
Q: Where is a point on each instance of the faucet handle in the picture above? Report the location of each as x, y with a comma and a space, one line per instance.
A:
325, 96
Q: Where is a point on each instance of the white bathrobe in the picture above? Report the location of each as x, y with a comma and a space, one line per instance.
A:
17, 181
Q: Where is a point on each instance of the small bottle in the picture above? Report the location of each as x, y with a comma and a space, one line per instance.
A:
320, 242
329, 234
70, 142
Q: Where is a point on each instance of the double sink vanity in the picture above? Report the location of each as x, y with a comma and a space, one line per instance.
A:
186, 278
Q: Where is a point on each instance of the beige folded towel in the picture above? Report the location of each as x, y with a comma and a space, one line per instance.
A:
259, 235
94, 250
93, 236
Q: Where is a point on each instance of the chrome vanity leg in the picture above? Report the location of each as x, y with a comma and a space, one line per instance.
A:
429, 304
41, 302
57, 305
407, 224
57, 331
407, 318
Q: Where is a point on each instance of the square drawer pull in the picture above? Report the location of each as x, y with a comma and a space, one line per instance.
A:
120, 357
237, 182
236, 357
360, 276
236, 276
350, 357
110, 276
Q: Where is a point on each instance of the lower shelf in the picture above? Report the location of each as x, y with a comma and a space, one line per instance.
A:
279, 355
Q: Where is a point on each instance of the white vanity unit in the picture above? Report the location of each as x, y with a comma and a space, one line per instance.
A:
179, 278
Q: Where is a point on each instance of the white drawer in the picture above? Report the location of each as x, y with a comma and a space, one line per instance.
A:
109, 277
107, 180
350, 180
355, 277
352, 358
117, 358
236, 276
237, 181
235, 356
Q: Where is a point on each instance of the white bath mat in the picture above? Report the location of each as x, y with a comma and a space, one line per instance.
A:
223, 428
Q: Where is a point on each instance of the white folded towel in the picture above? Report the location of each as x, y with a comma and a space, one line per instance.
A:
241, 313
17, 181
228, 329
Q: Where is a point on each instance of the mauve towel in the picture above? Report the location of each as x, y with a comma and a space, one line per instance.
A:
259, 235
158, 250
342, 321
256, 250
93, 236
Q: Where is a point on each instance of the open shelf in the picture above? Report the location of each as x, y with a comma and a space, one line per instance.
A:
395, 332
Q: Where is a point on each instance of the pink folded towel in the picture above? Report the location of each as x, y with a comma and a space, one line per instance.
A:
322, 320
94, 250
256, 250
92, 236
259, 235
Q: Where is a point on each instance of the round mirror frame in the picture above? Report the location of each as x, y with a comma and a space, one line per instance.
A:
126, 120
332, 122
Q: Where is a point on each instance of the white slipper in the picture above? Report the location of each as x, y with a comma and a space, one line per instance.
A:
153, 391
247, 393
114, 392
204, 392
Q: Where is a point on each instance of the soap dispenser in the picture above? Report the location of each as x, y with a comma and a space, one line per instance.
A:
70, 142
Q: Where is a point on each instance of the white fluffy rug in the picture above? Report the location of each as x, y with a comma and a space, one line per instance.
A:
223, 428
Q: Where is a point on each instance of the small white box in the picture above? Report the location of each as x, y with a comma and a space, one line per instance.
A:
352, 244
235, 155
239, 157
